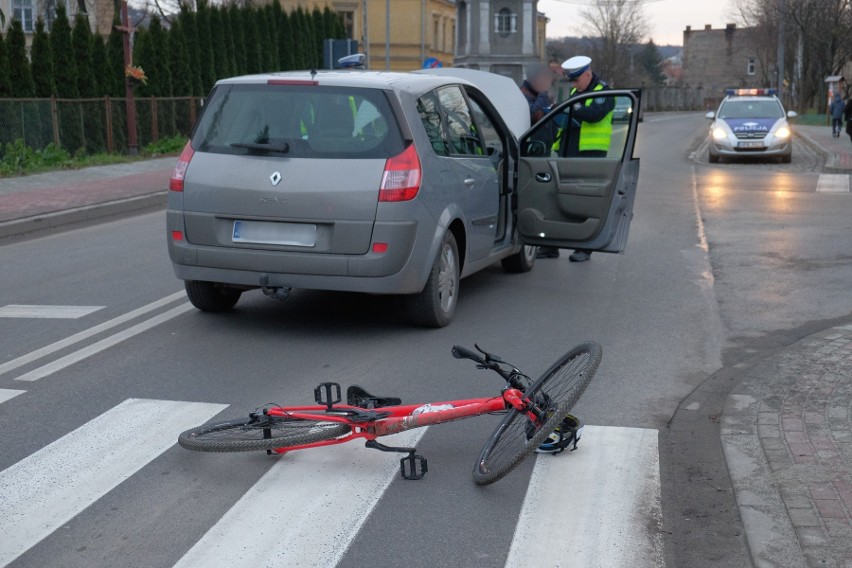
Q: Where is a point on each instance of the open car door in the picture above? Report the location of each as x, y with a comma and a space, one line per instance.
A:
577, 178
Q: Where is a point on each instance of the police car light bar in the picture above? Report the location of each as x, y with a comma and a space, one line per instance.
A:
751, 92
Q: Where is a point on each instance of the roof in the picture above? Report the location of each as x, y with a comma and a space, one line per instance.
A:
351, 78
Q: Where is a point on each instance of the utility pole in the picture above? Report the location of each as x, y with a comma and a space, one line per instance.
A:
387, 35
130, 102
782, 18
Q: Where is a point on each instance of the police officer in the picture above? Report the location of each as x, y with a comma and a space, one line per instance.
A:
589, 133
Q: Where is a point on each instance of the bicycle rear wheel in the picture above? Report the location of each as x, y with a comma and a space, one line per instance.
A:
260, 433
557, 390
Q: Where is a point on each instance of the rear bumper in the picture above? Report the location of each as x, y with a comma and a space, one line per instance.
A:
399, 270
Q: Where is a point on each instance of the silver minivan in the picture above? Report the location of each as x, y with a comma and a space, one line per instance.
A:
385, 183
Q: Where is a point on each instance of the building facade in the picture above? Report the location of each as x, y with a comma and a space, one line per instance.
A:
715, 60
100, 13
500, 36
420, 30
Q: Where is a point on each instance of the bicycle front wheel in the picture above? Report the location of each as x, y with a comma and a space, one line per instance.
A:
556, 392
260, 433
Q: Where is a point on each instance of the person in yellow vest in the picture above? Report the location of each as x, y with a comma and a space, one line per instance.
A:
590, 130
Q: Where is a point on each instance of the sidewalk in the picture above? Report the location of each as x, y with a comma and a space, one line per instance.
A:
49, 200
787, 437
838, 151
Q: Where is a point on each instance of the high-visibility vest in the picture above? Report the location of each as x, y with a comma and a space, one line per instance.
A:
595, 135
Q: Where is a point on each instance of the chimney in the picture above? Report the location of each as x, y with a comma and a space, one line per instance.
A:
708, 27
731, 27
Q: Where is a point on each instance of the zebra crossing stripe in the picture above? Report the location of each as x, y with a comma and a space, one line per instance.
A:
43, 491
294, 499
596, 507
9, 394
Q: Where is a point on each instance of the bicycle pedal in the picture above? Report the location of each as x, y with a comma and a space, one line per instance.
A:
417, 466
332, 394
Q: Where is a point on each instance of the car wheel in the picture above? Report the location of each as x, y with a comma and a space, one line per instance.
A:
521, 261
714, 158
210, 297
436, 304
787, 159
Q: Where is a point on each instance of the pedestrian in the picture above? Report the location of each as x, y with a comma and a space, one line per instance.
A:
589, 133
536, 89
847, 114
837, 111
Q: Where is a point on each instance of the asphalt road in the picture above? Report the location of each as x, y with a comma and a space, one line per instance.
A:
724, 261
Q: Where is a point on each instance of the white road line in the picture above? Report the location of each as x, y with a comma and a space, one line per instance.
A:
86, 333
312, 504
596, 507
9, 394
103, 344
43, 491
833, 183
47, 312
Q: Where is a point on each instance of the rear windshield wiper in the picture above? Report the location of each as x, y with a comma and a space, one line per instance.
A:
281, 148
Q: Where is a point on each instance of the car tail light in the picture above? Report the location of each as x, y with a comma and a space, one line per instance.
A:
380, 248
177, 235
401, 179
176, 181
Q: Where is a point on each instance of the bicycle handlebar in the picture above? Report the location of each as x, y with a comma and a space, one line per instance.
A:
460, 352
491, 362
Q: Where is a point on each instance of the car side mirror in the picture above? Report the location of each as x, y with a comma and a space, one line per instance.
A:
535, 148
792, 114
710, 115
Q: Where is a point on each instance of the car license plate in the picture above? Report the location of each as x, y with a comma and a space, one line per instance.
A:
750, 145
272, 233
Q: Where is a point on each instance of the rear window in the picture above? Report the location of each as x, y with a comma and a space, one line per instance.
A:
751, 109
298, 121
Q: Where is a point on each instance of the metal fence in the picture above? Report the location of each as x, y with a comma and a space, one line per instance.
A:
94, 125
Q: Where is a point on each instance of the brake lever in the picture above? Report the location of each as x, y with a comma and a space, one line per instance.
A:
488, 356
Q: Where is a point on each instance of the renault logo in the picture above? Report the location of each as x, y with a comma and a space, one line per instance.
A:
275, 178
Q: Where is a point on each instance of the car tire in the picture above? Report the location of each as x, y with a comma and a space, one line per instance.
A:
714, 158
436, 304
521, 261
787, 159
210, 297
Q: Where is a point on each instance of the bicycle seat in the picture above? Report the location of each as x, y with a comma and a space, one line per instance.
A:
357, 396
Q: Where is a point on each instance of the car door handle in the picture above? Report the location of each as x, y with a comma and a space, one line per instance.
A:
469, 181
543, 177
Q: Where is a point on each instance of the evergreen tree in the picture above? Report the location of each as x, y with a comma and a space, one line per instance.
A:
205, 47
100, 66
252, 37
159, 66
220, 53
114, 79
64, 64
179, 62
65, 79
42, 62
333, 24
285, 43
19, 66
5, 83
190, 33
302, 39
269, 39
320, 35
235, 14
81, 41
651, 61
228, 42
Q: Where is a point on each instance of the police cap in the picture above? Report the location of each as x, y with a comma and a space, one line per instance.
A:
576, 66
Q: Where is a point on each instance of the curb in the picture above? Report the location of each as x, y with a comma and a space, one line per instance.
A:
38, 225
782, 524
829, 157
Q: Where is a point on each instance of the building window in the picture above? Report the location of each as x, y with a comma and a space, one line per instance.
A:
506, 22
348, 18
751, 69
49, 13
22, 10
436, 33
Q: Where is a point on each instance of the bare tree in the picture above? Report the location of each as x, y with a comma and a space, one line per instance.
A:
619, 25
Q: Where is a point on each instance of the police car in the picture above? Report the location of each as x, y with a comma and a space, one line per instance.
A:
751, 122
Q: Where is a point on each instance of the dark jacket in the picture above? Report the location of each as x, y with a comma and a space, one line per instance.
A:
539, 102
837, 109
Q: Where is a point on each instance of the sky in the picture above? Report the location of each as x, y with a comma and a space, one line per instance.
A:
668, 18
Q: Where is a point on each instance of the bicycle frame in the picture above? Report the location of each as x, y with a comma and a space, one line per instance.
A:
399, 418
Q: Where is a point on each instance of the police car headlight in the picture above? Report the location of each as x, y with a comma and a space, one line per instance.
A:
783, 133
719, 134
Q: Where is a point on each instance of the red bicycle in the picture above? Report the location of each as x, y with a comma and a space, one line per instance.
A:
533, 410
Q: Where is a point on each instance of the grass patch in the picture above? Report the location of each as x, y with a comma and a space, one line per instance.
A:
17, 159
